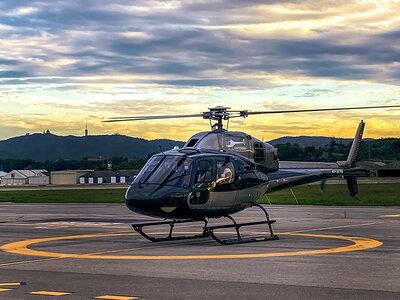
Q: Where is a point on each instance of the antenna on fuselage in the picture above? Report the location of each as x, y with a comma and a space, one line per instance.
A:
161, 149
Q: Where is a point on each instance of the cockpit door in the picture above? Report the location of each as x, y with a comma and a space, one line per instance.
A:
223, 193
214, 185
204, 176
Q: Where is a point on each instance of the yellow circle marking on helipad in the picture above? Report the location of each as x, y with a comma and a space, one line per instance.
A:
21, 247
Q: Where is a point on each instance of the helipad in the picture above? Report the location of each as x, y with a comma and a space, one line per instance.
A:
22, 247
83, 251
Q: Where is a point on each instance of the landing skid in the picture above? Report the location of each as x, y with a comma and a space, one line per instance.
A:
139, 228
208, 231
237, 226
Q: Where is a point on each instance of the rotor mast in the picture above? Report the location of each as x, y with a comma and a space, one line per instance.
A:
218, 114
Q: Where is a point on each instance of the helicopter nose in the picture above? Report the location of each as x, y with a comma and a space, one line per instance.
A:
154, 200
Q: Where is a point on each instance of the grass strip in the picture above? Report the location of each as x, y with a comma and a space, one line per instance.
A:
64, 196
382, 194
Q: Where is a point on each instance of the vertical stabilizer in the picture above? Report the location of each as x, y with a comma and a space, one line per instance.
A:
355, 147
352, 160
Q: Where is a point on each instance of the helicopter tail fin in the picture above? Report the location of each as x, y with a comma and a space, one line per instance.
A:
354, 150
355, 147
350, 164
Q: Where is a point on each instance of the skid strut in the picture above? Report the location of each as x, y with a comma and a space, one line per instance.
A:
139, 228
239, 239
208, 231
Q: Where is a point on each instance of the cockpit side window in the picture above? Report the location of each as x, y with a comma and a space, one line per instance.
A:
192, 142
203, 173
209, 142
225, 172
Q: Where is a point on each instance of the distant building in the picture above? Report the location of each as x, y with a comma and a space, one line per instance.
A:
2, 174
112, 177
97, 158
67, 177
391, 169
22, 177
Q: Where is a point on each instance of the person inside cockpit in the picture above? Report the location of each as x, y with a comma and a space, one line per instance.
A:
225, 173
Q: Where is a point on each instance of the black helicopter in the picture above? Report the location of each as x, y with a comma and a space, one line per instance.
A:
219, 172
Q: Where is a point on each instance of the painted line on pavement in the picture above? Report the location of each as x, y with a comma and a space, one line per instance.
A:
333, 227
111, 297
49, 293
12, 283
21, 247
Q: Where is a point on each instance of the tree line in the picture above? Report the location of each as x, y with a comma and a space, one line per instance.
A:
386, 149
115, 163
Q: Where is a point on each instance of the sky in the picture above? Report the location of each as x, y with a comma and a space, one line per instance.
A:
64, 62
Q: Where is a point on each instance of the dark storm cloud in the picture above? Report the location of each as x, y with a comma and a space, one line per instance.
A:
9, 62
194, 50
185, 41
369, 51
13, 74
390, 35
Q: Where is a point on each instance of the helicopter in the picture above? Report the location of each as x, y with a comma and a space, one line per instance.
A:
219, 172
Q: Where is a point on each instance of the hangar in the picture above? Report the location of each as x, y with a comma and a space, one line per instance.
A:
67, 177
22, 177
108, 176
391, 169
2, 174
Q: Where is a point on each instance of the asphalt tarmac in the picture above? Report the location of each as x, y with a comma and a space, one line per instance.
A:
88, 251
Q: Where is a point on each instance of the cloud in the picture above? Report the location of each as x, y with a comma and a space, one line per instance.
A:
180, 39
13, 74
148, 55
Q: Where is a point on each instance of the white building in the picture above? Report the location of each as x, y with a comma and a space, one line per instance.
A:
107, 176
21, 177
2, 174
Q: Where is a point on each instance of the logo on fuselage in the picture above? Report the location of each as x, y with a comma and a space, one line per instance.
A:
235, 145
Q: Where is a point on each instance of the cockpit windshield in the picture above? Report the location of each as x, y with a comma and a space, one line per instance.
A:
166, 170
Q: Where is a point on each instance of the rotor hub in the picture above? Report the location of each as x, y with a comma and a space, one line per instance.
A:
222, 113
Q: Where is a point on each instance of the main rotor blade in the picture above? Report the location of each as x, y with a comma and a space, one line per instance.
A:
142, 118
316, 109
